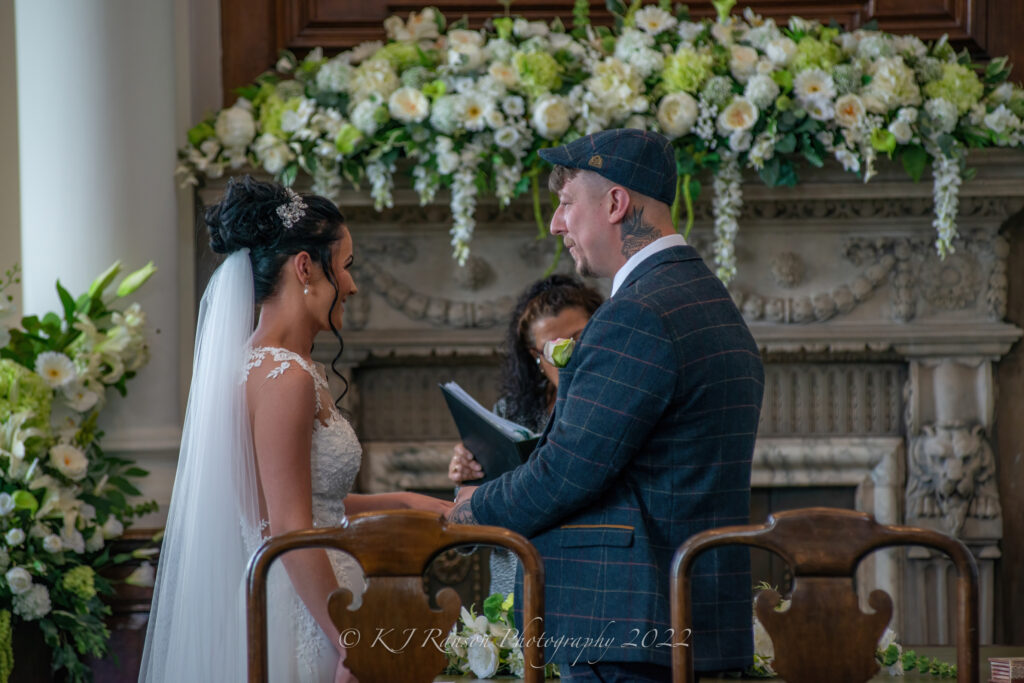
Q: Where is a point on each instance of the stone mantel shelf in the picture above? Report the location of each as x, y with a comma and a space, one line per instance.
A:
909, 340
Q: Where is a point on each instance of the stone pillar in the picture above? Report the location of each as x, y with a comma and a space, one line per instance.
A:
951, 486
97, 139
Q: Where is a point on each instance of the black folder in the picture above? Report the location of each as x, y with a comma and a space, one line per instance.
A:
496, 452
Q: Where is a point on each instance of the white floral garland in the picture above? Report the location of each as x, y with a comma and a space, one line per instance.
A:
946, 191
727, 204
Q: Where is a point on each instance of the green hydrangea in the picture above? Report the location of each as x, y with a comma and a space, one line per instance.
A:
401, 55
811, 52
686, 70
959, 85
415, 77
80, 582
21, 389
347, 139
270, 115
539, 72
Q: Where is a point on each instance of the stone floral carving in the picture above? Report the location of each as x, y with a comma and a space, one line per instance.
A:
952, 476
952, 284
995, 294
788, 269
474, 274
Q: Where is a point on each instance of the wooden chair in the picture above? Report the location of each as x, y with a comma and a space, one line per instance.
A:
824, 636
394, 549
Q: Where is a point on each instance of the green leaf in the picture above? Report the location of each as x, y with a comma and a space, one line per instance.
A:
811, 154
67, 302
787, 145
289, 174
124, 485
914, 159
615, 7
135, 280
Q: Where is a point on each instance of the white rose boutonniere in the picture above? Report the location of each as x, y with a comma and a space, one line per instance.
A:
559, 351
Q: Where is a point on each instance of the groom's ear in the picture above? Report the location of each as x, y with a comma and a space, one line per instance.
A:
619, 202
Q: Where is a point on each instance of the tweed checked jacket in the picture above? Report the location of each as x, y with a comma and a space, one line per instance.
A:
650, 442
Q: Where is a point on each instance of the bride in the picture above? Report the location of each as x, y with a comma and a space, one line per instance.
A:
264, 449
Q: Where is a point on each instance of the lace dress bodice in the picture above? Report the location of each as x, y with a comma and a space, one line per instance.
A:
335, 457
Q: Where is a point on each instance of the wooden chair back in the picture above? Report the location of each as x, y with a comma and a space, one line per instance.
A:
394, 549
824, 635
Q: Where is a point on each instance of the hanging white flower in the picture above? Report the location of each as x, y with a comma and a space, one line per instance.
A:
677, 112
654, 20
551, 116
69, 461
56, 369
408, 105
726, 206
740, 115
946, 193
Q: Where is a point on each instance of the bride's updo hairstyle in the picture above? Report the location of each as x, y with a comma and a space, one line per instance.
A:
275, 223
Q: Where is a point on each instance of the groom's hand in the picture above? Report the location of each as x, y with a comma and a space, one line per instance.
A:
462, 513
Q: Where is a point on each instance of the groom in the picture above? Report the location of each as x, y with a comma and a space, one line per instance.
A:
652, 434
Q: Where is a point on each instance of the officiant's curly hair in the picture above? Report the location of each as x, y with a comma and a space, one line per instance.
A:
524, 387
248, 216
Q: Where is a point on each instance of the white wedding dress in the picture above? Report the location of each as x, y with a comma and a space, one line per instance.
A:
300, 652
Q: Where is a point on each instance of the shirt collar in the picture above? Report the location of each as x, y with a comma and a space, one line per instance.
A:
651, 249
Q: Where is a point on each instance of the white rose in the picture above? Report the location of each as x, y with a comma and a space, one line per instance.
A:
551, 116
849, 111
15, 537
503, 73
739, 140
459, 38
482, 655
6, 504
740, 115
1001, 119
902, 131
636, 122
408, 105
781, 51
72, 539
69, 461
52, 544
743, 62
677, 113
235, 127
892, 85
465, 57
422, 25
18, 580
112, 528
507, 137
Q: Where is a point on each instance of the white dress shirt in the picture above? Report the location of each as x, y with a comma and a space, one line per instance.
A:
651, 249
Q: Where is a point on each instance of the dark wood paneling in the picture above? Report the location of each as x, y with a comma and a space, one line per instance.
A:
254, 31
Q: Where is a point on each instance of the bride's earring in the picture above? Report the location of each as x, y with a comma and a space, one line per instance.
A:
305, 289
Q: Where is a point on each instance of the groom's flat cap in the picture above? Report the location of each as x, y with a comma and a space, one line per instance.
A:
639, 160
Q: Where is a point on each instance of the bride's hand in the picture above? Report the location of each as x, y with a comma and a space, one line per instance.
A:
418, 501
343, 675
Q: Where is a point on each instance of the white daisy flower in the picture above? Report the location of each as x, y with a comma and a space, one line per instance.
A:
814, 83
654, 20
474, 113
69, 461
56, 369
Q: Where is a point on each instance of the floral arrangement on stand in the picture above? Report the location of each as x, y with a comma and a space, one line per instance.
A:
470, 108
62, 499
488, 644
889, 653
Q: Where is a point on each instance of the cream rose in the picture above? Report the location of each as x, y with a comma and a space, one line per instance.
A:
677, 113
18, 580
408, 105
743, 62
551, 116
69, 461
503, 73
740, 115
849, 110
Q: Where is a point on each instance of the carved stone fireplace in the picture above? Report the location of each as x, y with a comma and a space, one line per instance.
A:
879, 356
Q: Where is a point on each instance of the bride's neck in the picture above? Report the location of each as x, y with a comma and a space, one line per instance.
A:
278, 329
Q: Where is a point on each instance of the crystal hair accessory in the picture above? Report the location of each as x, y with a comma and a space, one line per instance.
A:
292, 211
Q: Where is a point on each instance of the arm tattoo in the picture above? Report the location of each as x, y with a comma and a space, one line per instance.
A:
636, 232
462, 514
